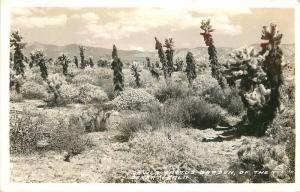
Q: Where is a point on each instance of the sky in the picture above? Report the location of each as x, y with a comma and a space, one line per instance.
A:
135, 28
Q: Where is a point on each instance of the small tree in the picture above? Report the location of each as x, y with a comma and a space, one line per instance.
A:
64, 60
82, 60
117, 66
212, 52
76, 61
18, 57
190, 67
135, 71
38, 58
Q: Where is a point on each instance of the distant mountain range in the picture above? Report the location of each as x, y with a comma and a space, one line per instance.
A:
53, 51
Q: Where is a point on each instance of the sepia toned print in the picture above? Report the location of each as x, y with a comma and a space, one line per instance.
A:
152, 95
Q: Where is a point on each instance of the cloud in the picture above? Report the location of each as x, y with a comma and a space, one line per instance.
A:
137, 48
124, 23
28, 11
39, 21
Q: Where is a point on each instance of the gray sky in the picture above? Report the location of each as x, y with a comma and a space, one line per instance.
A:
135, 28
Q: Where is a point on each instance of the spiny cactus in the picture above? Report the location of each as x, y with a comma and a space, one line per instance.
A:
76, 61
117, 66
91, 62
135, 71
148, 63
54, 84
38, 58
212, 52
169, 44
190, 67
179, 64
273, 65
260, 76
166, 58
82, 60
64, 60
18, 57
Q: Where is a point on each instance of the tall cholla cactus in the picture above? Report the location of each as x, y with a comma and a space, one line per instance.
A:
117, 66
38, 58
169, 44
18, 57
273, 64
82, 60
91, 62
64, 60
76, 61
212, 52
148, 63
190, 67
135, 71
260, 75
166, 58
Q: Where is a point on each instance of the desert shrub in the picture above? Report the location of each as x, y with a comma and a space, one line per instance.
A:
156, 156
192, 111
203, 83
84, 78
229, 99
69, 92
69, 138
150, 120
133, 99
262, 156
15, 97
170, 91
90, 93
129, 126
25, 132
33, 90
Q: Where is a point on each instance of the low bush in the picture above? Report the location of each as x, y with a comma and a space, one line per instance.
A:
35, 131
261, 156
192, 111
33, 90
229, 99
69, 138
203, 83
165, 155
25, 132
91, 94
170, 91
133, 99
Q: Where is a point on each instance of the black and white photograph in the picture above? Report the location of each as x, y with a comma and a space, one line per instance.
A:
150, 94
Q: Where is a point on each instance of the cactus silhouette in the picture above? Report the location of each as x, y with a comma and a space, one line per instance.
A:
135, 71
38, 58
190, 67
166, 58
117, 66
18, 57
212, 52
82, 60
64, 60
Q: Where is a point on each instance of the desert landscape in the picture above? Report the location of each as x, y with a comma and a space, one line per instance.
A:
171, 115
